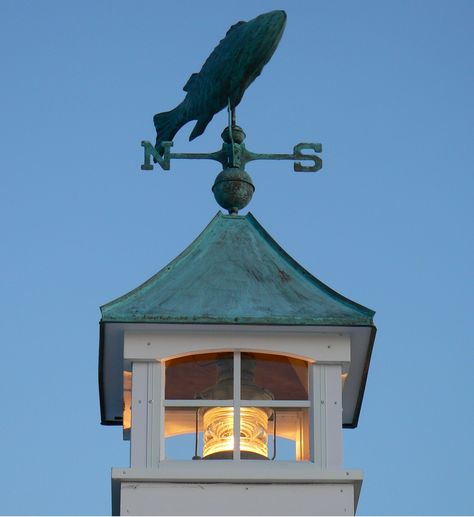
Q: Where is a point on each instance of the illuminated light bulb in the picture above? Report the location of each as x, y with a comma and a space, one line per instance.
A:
219, 433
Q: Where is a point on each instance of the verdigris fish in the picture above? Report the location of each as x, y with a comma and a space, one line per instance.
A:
233, 65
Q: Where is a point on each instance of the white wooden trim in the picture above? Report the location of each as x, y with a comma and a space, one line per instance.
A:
253, 471
154, 416
326, 416
156, 413
138, 432
246, 403
248, 472
333, 408
149, 433
237, 372
318, 415
275, 403
198, 403
165, 344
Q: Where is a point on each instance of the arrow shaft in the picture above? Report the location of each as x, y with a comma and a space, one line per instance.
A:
233, 155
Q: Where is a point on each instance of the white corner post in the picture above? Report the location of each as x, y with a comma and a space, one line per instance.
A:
146, 441
326, 415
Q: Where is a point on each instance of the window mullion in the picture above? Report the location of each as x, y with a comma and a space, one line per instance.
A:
196, 403
237, 369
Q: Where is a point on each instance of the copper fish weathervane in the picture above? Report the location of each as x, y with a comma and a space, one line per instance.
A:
233, 65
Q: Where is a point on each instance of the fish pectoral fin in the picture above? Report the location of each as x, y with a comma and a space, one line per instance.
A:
200, 127
190, 82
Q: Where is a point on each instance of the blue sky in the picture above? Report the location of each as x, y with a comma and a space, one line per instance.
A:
387, 87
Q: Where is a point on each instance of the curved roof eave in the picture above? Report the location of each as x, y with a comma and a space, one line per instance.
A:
252, 278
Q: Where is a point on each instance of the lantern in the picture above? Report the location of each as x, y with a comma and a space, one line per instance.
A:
270, 397
218, 422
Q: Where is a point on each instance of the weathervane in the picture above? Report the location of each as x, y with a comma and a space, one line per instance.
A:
230, 69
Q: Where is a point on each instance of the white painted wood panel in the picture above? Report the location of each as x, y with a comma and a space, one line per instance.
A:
234, 486
138, 432
158, 345
326, 415
236, 499
333, 408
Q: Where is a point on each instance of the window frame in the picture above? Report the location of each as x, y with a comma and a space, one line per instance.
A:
237, 403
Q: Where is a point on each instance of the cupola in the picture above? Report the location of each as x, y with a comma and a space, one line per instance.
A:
233, 364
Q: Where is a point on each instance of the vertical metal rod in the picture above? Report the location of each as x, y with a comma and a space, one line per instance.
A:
274, 435
196, 457
231, 122
231, 116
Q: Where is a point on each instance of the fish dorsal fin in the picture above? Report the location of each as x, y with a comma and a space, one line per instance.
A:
190, 82
238, 24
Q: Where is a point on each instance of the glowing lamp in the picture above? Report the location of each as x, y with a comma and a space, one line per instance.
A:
218, 422
219, 433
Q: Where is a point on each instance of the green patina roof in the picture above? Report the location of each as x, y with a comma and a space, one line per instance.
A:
234, 272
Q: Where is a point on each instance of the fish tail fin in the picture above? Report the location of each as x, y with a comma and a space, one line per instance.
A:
200, 127
167, 124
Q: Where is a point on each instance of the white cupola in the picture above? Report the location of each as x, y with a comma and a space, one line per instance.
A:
232, 372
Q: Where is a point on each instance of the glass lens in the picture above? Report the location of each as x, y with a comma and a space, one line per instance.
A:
280, 434
267, 376
218, 424
219, 433
253, 433
202, 376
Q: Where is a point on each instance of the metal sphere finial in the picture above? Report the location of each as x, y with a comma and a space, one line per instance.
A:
233, 189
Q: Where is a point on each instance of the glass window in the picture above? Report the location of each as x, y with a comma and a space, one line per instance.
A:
289, 434
280, 377
203, 376
273, 426
183, 433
